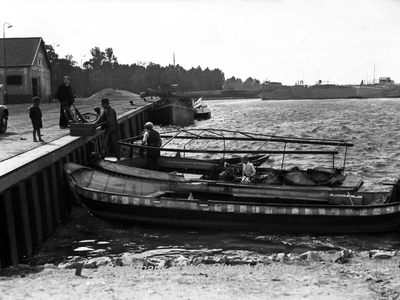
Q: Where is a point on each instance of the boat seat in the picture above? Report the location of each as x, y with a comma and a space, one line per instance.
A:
157, 194
191, 176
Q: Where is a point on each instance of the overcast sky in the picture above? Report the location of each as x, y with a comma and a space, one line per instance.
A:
283, 40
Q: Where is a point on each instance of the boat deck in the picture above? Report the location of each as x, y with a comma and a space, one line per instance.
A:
352, 181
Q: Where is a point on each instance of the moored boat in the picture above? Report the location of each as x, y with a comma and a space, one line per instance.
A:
385, 88
202, 112
162, 202
172, 108
292, 183
172, 111
219, 142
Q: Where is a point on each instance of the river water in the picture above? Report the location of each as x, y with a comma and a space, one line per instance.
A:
372, 125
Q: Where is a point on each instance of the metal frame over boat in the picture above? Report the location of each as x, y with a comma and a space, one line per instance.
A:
189, 141
159, 202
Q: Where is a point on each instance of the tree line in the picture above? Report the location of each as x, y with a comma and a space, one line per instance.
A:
102, 71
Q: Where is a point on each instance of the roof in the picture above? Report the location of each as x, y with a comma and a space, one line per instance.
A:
21, 52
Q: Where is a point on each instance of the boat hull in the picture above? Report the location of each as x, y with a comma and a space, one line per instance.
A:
170, 111
329, 91
272, 218
202, 114
230, 208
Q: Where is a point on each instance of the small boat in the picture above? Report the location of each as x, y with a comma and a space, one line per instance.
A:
183, 182
218, 142
193, 205
202, 112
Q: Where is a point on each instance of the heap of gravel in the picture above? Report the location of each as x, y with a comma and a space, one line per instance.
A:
111, 93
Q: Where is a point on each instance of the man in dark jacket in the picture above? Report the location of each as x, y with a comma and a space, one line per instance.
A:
151, 138
108, 121
66, 97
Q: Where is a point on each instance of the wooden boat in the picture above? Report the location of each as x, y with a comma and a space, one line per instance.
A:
160, 202
202, 113
349, 185
264, 144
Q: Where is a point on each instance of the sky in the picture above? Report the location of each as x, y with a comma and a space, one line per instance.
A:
341, 41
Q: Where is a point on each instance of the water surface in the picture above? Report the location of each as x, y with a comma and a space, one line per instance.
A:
372, 125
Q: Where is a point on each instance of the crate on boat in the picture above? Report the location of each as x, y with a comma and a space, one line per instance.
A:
338, 199
85, 129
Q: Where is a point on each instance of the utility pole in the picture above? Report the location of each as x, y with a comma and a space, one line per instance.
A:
5, 61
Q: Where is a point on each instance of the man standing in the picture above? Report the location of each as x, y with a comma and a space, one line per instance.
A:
151, 138
108, 121
66, 97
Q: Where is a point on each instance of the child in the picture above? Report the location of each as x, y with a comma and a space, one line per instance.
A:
248, 171
36, 116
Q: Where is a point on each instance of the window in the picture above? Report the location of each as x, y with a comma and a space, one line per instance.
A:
14, 80
40, 62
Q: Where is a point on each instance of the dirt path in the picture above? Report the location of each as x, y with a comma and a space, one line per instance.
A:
360, 278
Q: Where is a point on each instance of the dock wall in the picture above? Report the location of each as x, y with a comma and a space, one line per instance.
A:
34, 196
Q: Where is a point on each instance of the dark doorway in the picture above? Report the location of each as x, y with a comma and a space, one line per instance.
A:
36, 87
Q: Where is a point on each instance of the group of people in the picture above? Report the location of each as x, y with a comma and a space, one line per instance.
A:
108, 122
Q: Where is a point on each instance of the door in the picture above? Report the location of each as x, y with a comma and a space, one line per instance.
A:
36, 87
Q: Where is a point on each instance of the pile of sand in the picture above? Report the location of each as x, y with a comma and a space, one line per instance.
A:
111, 93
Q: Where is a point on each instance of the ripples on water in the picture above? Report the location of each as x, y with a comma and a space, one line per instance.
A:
372, 125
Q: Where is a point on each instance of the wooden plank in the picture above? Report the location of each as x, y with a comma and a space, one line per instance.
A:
63, 191
73, 156
12, 238
46, 189
36, 209
126, 128
131, 127
85, 155
140, 122
137, 130
79, 155
25, 218
56, 182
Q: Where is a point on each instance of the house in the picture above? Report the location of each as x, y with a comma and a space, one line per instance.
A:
25, 64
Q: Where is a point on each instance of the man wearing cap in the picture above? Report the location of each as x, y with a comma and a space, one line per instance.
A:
151, 138
108, 121
66, 97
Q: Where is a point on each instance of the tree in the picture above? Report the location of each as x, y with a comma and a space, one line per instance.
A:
233, 84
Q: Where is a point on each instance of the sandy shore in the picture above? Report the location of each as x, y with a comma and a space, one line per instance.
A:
361, 277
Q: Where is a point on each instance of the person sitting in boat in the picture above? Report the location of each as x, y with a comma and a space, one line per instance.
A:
248, 172
151, 138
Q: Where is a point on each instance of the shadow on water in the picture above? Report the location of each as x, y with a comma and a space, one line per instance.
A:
87, 236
